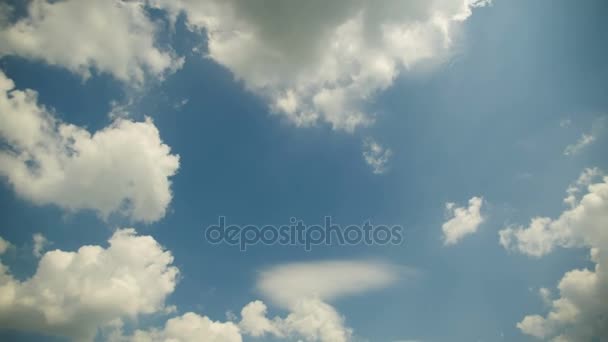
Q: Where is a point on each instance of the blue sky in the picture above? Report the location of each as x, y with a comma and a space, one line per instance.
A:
507, 104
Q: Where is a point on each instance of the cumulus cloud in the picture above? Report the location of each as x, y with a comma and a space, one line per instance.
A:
79, 294
287, 284
580, 311
123, 168
462, 221
305, 290
114, 37
73, 294
309, 319
376, 156
316, 61
190, 327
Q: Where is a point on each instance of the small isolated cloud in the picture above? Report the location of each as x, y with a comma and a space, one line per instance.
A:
74, 34
286, 284
462, 221
73, 294
579, 312
40, 243
123, 168
376, 156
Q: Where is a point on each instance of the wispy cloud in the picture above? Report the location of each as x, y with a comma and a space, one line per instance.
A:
376, 155
586, 139
575, 148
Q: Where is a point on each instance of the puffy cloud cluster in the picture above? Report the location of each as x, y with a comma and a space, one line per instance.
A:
309, 319
124, 167
316, 61
580, 313
74, 294
114, 37
189, 327
463, 220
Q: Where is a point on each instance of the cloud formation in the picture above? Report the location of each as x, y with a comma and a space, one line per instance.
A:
40, 243
376, 156
114, 37
462, 221
73, 294
303, 289
309, 320
581, 310
316, 61
123, 168
287, 284
190, 327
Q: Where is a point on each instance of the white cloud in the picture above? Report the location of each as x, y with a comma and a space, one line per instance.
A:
376, 156
579, 314
304, 289
114, 37
316, 61
585, 179
287, 284
254, 320
73, 294
40, 243
123, 168
463, 221
572, 229
309, 319
189, 327
584, 140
